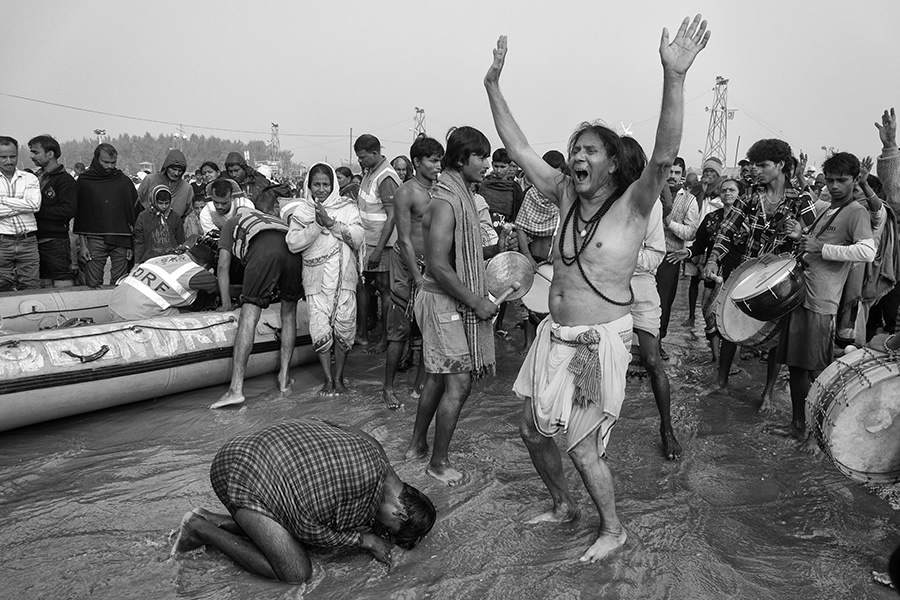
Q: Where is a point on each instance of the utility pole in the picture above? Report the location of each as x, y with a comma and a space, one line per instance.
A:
351, 146
99, 133
274, 144
717, 134
419, 123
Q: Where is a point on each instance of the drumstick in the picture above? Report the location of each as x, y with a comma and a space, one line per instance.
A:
544, 276
502, 297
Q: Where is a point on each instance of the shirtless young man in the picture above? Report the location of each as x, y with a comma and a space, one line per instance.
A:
603, 226
408, 260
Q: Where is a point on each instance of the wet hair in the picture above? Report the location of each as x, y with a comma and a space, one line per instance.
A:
221, 188
319, 168
612, 144
424, 147
5, 140
409, 166
47, 144
107, 149
420, 517
462, 143
367, 143
500, 155
772, 149
345, 171
211, 165
633, 159
555, 159
841, 163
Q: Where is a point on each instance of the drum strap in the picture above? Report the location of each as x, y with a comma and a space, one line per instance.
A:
828, 224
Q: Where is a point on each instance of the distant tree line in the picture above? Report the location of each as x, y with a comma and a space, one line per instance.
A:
134, 150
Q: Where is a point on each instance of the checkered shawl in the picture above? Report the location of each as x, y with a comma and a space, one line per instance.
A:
316, 480
538, 216
748, 230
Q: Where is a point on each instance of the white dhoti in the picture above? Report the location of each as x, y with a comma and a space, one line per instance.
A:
575, 378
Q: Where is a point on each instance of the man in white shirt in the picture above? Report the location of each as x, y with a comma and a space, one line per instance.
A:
20, 198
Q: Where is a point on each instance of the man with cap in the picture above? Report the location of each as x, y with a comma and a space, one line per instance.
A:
252, 182
159, 287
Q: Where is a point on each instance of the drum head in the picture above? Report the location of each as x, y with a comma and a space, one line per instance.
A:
538, 297
733, 324
854, 406
765, 276
505, 269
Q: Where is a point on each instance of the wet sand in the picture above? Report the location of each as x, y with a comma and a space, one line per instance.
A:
87, 503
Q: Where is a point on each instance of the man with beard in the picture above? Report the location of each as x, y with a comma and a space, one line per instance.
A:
59, 201
105, 217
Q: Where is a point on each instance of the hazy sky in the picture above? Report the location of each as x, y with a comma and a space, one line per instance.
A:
814, 73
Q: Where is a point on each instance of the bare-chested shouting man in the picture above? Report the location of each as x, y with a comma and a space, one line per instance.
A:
573, 378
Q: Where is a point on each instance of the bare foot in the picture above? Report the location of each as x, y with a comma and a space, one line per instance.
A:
716, 388
766, 405
228, 399
445, 474
671, 447
285, 385
810, 446
882, 578
607, 543
789, 431
214, 518
377, 348
416, 451
562, 513
689, 322
185, 540
327, 389
360, 341
340, 387
390, 399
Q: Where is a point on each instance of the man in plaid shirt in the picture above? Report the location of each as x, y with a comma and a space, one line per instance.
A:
20, 198
305, 483
755, 226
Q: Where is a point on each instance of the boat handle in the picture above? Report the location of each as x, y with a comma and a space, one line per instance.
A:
89, 357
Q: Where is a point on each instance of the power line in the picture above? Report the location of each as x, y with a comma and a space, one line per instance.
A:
133, 118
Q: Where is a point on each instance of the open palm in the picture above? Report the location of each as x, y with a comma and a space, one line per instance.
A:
679, 54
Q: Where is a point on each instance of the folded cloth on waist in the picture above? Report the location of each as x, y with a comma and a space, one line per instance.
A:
575, 377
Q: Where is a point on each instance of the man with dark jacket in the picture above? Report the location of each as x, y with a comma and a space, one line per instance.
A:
170, 175
59, 201
105, 217
252, 182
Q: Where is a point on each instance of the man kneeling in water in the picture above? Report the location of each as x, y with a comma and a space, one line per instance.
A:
305, 483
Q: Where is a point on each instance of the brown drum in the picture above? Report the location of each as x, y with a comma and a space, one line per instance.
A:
736, 326
771, 288
853, 408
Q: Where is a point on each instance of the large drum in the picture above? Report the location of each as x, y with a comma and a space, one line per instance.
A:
853, 408
538, 297
771, 288
736, 326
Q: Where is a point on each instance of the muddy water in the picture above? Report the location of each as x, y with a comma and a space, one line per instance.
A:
86, 503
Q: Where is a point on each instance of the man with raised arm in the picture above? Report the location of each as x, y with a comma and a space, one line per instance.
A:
573, 378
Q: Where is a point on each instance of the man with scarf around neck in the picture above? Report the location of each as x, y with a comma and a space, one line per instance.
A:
107, 205
327, 231
170, 175
573, 378
59, 201
453, 309
252, 182
157, 230
255, 237
408, 262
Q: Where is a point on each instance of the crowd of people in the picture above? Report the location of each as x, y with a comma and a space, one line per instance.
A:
620, 228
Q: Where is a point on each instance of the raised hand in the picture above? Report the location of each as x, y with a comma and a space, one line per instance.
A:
678, 55
865, 167
493, 73
887, 129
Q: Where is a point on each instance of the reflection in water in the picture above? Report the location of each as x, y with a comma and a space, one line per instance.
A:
86, 503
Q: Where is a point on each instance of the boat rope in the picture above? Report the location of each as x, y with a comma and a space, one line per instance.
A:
51, 312
134, 328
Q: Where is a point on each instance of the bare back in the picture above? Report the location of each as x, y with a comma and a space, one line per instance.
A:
608, 262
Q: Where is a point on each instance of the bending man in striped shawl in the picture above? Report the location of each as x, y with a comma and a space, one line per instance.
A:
453, 309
